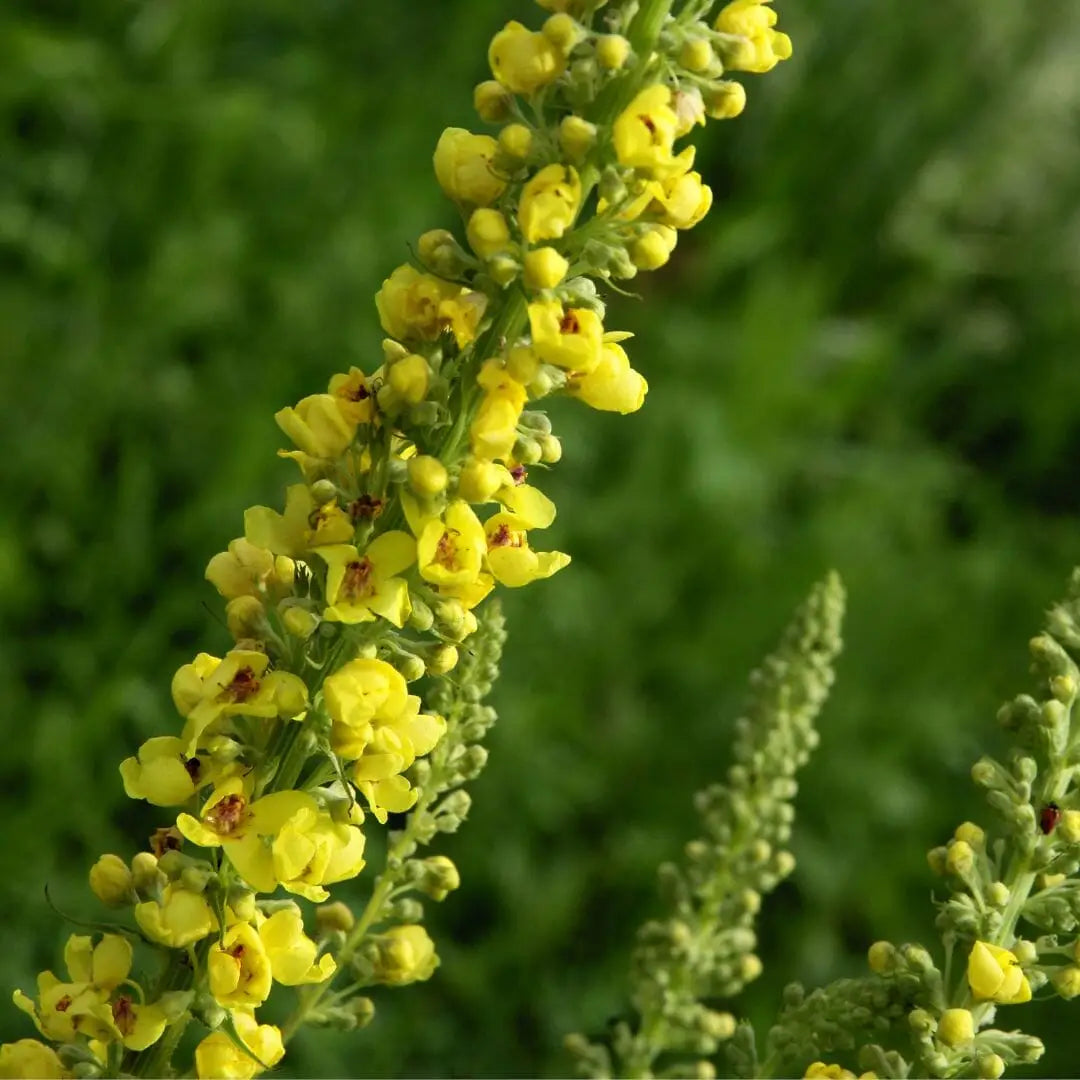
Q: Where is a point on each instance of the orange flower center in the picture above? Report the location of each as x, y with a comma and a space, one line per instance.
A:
357, 582
244, 685
224, 817
446, 550
123, 1015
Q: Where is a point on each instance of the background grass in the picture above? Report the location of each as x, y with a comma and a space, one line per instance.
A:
863, 359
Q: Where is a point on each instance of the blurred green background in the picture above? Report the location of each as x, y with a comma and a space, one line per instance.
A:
864, 358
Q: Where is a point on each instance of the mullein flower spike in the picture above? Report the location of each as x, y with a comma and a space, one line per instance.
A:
411, 508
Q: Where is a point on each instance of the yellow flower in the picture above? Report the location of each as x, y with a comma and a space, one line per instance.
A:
361, 587
355, 395
549, 203
291, 952
162, 774
524, 61
570, 339
360, 692
82, 1006
304, 525
317, 426
644, 134
396, 742
30, 1058
995, 975
406, 954
181, 918
754, 21
613, 385
239, 968
487, 233
956, 1027
681, 201
450, 550
414, 306
248, 570
463, 167
510, 559
217, 1057
313, 850
494, 428
210, 690
820, 1071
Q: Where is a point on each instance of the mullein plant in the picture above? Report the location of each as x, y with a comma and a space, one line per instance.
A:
412, 505
1008, 899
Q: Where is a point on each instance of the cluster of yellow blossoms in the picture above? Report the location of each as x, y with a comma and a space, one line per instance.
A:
413, 505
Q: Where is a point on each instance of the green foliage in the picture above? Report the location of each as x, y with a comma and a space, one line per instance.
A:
864, 358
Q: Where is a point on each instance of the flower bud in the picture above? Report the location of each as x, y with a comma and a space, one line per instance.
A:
146, 876
111, 881
1066, 981
409, 378
442, 660
492, 101
411, 667
299, 622
750, 967
503, 269
576, 137
921, 1022
724, 100
427, 476
421, 617
956, 1027
463, 167
717, 1025
959, 858
881, 957
405, 954
487, 232
544, 269
550, 449
1026, 952
563, 32
479, 480
363, 1008
696, 55
515, 141
970, 833
612, 51
997, 893
440, 877
335, 916
653, 247
990, 1066
245, 617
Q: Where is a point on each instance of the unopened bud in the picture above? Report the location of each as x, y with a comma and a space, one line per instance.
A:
442, 659
515, 141
612, 51
299, 622
335, 916
492, 101
111, 881
427, 476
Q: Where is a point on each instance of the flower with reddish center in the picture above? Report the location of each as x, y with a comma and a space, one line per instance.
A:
510, 559
362, 587
208, 691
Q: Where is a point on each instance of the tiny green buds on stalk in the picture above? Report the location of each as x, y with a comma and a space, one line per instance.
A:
703, 949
